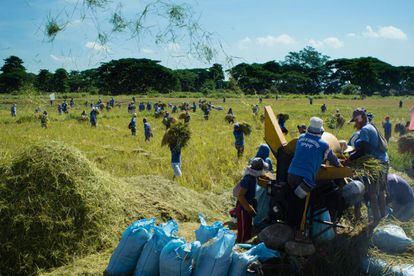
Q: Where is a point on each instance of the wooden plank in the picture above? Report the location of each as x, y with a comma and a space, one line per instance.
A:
274, 136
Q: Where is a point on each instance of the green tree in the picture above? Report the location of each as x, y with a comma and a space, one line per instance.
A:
43, 81
60, 80
13, 76
217, 75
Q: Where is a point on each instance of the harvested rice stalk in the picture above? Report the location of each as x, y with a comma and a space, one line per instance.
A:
177, 135
406, 143
230, 118
246, 128
369, 167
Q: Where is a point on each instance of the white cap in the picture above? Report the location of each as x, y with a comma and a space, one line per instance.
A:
316, 125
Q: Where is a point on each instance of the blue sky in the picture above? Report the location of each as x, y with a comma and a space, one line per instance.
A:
253, 31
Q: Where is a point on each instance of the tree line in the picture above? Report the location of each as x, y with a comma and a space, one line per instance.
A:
304, 72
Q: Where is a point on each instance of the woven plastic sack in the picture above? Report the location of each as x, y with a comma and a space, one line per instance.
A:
206, 232
177, 257
126, 254
149, 261
391, 238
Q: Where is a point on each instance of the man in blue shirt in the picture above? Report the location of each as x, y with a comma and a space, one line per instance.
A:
239, 139
310, 152
401, 197
369, 142
387, 128
13, 110
133, 125
176, 160
147, 130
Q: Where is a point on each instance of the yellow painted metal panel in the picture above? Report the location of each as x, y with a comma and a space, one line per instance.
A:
274, 136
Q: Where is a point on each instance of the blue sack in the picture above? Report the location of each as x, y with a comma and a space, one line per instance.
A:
216, 255
391, 238
241, 261
206, 232
177, 257
318, 228
149, 261
403, 270
372, 266
126, 254
263, 202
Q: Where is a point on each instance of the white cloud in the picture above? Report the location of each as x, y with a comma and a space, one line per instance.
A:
387, 32
61, 58
244, 43
147, 51
173, 47
351, 35
96, 46
270, 40
329, 42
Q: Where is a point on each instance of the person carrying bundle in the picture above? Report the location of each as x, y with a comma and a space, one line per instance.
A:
176, 160
239, 139
371, 142
147, 130
310, 152
246, 201
133, 125
13, 110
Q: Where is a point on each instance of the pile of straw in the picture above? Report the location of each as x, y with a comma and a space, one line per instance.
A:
53, 204
369, 167
177, 135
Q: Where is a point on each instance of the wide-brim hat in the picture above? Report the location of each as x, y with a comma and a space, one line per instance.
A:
315, 126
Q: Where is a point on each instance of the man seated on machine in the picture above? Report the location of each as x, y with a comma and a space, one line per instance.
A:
310, 152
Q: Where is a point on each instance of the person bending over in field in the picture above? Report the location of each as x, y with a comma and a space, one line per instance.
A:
83, 116
239, 139
147, 130
133, 125
176, 160
13, 110
400, 197
93, 116
246, 198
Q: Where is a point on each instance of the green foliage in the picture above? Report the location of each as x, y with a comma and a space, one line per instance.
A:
13, 76
350, 89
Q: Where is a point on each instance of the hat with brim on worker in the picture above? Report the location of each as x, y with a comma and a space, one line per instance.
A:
315, 126
345, 148
358, 113
258, 164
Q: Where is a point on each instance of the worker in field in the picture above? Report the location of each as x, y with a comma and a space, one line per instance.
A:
281, 119
187, 117
255, 109
111, 102
224, 99
400, 197
174, 109
59, 109
302, 128
310, 152
72, 103
44, 119
65, 107
206, 113
149, 106
310, 100
323, 108
400, 104
239, 139
176, 160
411, 122
262, 197
371, 142
147, 130
133, 125
387, 128
83, 115
194, 107
13, 110
246, 198
93, 116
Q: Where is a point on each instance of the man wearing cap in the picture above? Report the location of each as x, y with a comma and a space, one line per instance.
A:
310, 152
246, 198
369, 142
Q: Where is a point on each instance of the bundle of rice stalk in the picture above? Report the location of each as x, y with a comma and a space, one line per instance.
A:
283, 116
245, 128
54, 204
406, 143
183, 116
367, 166
177, 135
332, 122
229, 118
